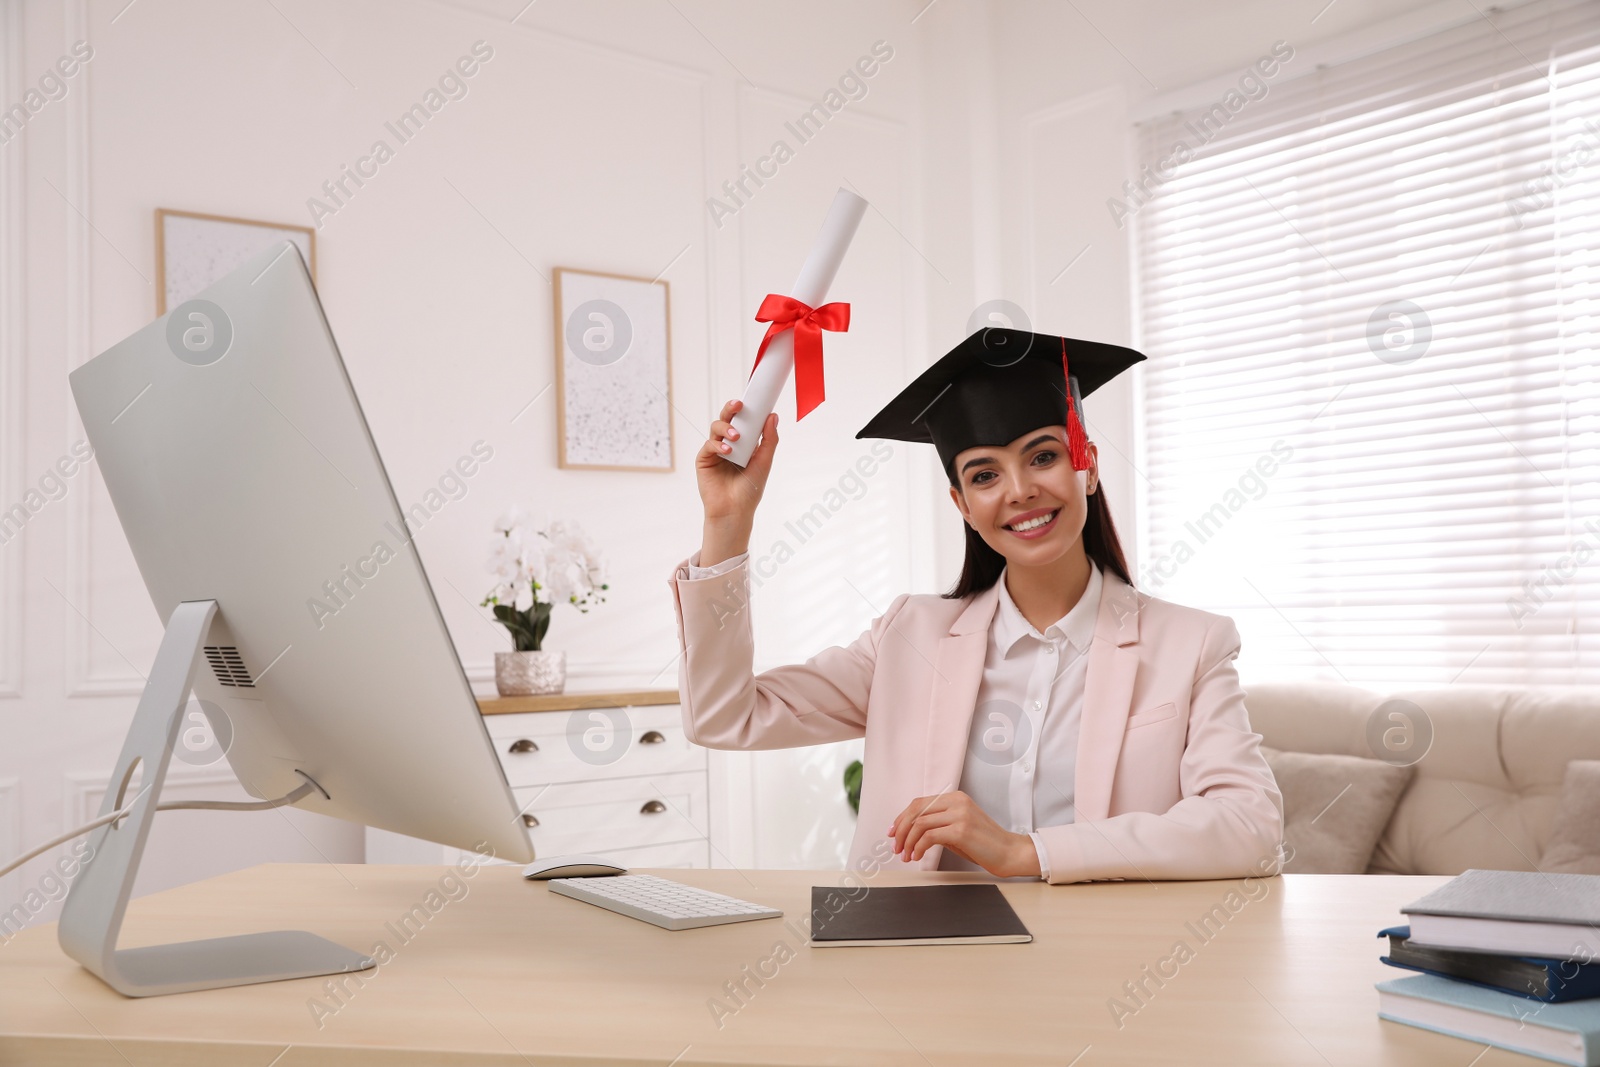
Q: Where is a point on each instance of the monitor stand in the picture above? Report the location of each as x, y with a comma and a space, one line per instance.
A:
91, 917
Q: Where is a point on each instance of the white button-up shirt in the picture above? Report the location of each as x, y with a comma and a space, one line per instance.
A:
1021, 759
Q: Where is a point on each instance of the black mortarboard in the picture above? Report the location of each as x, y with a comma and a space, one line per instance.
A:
996, 386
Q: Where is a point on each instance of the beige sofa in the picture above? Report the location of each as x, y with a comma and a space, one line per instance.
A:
1487, 790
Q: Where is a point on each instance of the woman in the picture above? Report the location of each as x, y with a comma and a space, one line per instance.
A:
1041, 720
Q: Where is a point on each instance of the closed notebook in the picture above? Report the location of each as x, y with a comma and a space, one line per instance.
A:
1519, 913
1535, 977
1565, 1033
962, 914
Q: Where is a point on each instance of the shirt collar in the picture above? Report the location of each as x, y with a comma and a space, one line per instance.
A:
1077, 625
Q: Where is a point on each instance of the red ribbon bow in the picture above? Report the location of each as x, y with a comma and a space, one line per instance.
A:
784, 313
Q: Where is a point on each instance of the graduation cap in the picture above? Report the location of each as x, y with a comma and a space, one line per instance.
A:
996, 386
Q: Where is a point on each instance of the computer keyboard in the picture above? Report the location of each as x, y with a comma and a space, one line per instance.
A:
667, 904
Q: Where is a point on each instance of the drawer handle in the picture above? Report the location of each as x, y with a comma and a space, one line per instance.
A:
530, 820
652, 807
652, 737
523, 745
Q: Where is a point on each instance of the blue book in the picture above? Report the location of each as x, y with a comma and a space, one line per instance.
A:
1538, 977
1565, 1033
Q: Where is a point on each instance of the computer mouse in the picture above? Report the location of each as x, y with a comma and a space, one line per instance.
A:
577, 865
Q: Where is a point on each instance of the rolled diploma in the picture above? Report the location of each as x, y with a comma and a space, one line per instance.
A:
811, 288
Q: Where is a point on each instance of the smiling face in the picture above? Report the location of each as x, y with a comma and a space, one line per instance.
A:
999, 488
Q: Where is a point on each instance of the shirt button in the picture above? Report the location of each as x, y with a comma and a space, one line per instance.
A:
1027, 767
1050, 649
1036, 705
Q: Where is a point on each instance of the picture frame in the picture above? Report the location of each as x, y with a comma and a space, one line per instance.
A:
613, 362
194, 249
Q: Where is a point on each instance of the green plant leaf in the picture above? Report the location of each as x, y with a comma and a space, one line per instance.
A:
852, 785
522, 634
539, 630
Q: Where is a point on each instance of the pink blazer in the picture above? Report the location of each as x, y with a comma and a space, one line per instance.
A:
1171, 783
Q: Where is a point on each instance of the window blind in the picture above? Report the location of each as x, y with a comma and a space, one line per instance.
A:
1370, 297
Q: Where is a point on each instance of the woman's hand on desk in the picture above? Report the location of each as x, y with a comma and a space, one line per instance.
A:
728, 491
955, 821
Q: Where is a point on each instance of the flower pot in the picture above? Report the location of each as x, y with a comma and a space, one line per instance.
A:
520, 674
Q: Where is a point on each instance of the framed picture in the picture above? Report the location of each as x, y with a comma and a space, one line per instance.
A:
613, 372
194, 250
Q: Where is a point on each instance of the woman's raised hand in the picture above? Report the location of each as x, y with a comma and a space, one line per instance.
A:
728, 491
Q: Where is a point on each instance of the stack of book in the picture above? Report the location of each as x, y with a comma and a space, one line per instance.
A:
1509, 958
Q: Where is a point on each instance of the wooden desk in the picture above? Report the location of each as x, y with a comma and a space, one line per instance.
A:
511, 974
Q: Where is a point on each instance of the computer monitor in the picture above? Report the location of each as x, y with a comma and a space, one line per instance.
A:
263, 523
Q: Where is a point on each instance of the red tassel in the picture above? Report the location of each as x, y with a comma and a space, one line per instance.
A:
1077, 438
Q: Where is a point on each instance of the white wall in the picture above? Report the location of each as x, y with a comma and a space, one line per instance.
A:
593, 138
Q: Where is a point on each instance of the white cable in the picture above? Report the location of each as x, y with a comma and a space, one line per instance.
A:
64, 838
304, 789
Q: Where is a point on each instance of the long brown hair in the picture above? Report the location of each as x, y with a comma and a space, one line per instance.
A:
983, 564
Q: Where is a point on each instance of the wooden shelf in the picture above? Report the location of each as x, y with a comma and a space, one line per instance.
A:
624, 698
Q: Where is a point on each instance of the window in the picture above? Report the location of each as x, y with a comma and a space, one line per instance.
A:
1371, 302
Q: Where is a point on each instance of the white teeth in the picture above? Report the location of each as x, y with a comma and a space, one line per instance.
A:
1033, 523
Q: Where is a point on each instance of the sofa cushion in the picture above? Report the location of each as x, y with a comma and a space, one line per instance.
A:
1334, 808
1487, 783
1575, 838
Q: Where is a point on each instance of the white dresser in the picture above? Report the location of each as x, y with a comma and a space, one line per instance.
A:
604, 773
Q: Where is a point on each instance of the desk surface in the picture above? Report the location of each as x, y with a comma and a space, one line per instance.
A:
512, 974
